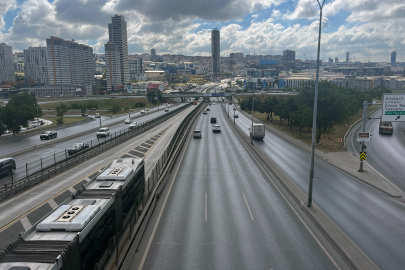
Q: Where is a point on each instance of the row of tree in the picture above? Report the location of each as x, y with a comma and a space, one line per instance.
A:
335, 106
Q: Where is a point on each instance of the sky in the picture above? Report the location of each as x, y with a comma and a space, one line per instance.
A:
369, 29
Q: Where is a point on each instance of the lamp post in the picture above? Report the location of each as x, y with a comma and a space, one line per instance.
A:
253, 109
311, 172
99, 111
129, 111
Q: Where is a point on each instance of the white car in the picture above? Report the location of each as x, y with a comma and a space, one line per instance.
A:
103, 132
128, 121
143, 111
133, 125
216, 128
197, 134
236, 115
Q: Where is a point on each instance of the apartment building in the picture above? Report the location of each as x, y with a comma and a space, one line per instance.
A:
6, 63
135, 68
36, 65
112, 67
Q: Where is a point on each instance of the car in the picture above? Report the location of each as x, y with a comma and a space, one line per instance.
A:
23, 128
214, 103
48, 135
147, 109
236, 115
77, 147
167, 109
210, 104
103, 132
205, 112
128, 121
213, 120
197, 133
143, 111
208, 109
216, 128
97, 115
84, 114
386, 127
7, 165
133, 125
93, 109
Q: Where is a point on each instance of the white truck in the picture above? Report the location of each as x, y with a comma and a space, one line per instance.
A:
258, 131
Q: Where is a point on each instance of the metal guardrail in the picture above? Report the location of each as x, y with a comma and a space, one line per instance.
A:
42, 169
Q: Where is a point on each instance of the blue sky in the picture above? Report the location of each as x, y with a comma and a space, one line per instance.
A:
367, 29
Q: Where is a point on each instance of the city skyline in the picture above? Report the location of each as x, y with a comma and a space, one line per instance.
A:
268, 27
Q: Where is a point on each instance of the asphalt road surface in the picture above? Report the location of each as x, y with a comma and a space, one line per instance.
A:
385, 152
223, 212
33, 157
373, 220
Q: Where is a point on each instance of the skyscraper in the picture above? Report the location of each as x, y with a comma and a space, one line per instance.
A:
347, 57
152, 54
6, 63
36, 65
336, 60
215, 50
117, 33
393, 58
68, 62
112, 66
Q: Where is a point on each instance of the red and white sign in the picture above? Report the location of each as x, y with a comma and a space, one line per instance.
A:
364, 136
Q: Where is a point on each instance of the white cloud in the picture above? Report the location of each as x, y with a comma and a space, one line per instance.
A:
305, 9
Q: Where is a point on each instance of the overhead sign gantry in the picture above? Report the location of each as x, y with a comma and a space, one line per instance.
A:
393, 108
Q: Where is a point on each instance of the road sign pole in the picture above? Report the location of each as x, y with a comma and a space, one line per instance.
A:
363, 129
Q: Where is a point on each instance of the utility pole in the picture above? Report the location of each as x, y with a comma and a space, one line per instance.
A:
253, 109
129, 112
363, 129
311, 172
99, 111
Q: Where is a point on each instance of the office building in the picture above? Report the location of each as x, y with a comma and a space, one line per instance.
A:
153, 55
117, 33
6, 63
288, 56
135, 68
393, 58
68, 62
330, 60
112, 67
347, 57
36, 65
236, 55
336, 60
215, 50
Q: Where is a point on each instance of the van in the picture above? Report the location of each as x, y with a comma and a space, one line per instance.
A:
7, 165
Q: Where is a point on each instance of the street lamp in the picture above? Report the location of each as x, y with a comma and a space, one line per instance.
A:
99, 111
129, 111
311, 172
253, 108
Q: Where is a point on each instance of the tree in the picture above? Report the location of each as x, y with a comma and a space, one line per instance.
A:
239, 83
269, 105
115, 109
60, 112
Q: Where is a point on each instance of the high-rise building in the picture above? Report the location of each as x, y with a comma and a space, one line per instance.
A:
288, 55
36, 65
215, 50
336, 60
6, 63
330, 60
393, 58
347, 57
236, 55
135, 68
117, 32
68, 62
153, 54
112, 66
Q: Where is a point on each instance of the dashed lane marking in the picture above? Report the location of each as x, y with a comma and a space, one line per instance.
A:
52, 203
26, 223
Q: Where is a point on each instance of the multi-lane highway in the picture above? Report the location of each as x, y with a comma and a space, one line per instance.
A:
62, 142
222, 211
373, 220
385, 152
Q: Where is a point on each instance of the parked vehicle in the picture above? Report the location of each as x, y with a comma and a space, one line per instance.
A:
133, 125
258, 131
197, 134
386, 127
216, 128
103, 132
48, 135
213, 119
77, 147
7, 165
128, 121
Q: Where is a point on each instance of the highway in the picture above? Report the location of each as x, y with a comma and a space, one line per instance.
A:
222, 211
59, 144
385, 152
373, 220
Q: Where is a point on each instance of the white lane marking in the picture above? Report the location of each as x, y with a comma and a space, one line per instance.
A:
26, 223
71, 189
250, 212
87, 179
205, 149
226, 149
233, 168
52, 203
205, 167
130, 155
100, 171
206, 215
161, 211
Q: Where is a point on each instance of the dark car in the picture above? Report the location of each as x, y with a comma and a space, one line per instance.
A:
213, 120
386, 127
7, 165
48, 135
208, 109
77, 147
